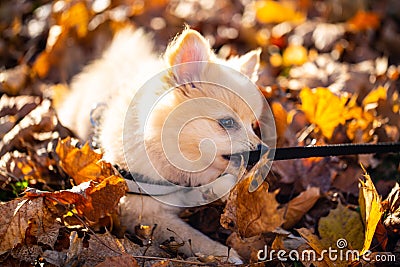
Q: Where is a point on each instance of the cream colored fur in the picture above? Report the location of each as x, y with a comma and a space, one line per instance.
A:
117, 76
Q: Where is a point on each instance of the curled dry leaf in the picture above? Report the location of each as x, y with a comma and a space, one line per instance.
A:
35, 116
82, 164
92, 200
370, 209
392, 205
300, 205
250, 214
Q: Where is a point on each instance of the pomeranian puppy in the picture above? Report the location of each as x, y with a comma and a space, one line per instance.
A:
174, 122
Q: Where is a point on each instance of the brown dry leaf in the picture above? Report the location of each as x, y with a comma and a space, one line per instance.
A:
363, 20
280, 116
103, 246
300, 205
13, 80
347, 180
82, 164
308, 261
314, 242
370, 209
38, 121
92, 200
25, 222
392, 205
117, 261
246, 247
315, 172
250, 214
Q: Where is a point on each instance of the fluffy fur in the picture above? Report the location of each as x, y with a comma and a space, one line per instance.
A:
115, 78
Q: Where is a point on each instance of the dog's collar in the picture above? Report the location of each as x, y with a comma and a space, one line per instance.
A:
138, 184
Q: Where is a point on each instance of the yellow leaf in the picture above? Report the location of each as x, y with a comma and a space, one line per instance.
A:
294, 55
359, 120
341, 230
277, 12
76, 17
300, 205
375, 95
370, 208
342, 223
323, 108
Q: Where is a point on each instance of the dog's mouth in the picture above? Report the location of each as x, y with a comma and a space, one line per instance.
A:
250, 158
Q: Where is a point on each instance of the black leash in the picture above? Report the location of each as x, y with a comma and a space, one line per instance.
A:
286, 153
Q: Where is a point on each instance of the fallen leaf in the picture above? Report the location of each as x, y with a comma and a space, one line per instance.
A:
13, 80
92, 200
36, 117
375, 95
303, 173
363, 20
342, 223
117, 261
246, 247
76, 17
105, 249
24, 219
392, 205
315, 244
280, 116
323, 108
250, 214
300, 205
276, 12
294, 55
82, 164
370, 209
342, 230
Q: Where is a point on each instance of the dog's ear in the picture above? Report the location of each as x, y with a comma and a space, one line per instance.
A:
249, 64
190, 46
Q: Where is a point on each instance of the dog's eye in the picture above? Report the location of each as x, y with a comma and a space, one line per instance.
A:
227, 123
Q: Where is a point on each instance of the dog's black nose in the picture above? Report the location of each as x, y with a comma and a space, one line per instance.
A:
255, 155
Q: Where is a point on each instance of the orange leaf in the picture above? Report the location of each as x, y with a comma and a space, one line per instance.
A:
82, 164
280, 116
363, 21
252, 213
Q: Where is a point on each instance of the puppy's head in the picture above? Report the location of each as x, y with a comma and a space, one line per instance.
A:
208, 115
